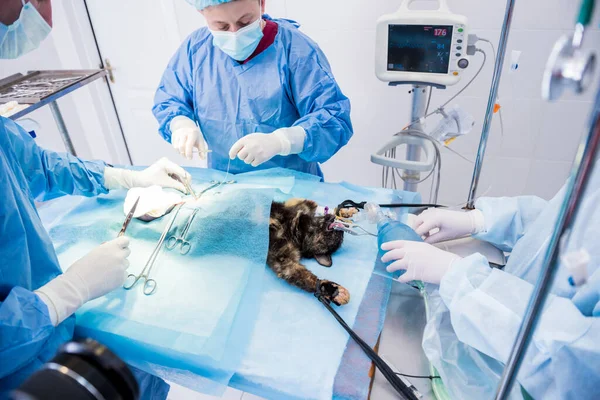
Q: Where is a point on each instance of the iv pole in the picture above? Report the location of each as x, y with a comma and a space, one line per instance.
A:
581, 172
487, 124
580, 175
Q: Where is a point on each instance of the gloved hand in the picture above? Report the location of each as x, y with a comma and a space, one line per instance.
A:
422, 261
448, 224
185, 135
98, 273
587, 300
258, 148
162, 173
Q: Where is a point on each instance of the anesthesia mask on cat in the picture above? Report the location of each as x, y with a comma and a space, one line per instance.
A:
349, 228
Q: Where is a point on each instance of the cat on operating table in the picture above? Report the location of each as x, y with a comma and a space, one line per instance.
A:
295, 232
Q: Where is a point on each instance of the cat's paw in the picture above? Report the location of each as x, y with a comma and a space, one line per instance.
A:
347, 212
334, 292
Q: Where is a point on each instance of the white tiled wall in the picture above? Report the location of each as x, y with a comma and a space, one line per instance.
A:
539, 142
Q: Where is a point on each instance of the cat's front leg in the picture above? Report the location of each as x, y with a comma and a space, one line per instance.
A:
294, 273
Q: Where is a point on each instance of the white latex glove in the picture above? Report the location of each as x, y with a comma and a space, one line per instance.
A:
421, 261
162, 173
98, 273
258, 148
437, 225
185, 135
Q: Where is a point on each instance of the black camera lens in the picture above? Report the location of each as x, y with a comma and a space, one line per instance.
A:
82, 369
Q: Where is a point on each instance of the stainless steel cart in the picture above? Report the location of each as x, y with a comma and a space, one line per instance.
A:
39, 88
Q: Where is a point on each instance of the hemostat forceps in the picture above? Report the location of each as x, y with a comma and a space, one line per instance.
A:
150, 284
214, 184
185, 244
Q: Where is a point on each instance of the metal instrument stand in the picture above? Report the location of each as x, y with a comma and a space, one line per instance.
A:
40, 88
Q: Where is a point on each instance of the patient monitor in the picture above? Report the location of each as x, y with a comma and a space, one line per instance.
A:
421, 46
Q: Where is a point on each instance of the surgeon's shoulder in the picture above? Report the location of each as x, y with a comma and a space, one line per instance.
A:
197, 41
300, 47
14, 129
12, 134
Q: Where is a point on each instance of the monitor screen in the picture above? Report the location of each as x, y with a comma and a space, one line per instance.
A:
419, 48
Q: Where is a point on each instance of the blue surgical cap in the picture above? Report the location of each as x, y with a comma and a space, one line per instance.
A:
202, 4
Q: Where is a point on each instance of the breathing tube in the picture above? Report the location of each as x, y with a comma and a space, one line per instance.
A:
361, 205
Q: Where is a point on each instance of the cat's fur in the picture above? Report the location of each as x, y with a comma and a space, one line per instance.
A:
295, 232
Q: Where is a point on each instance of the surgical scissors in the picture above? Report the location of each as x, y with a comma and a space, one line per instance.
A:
185, 244
150, 284
129, 217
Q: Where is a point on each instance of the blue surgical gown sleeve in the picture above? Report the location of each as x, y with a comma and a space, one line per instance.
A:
25, 328
486, 309
323, 108
51, 174
174, 95
508, 218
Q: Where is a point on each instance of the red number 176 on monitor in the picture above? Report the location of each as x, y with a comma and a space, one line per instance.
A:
440, 32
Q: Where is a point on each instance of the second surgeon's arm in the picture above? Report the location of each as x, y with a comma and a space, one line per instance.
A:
173, 97
51, 174
323, 108
506, 219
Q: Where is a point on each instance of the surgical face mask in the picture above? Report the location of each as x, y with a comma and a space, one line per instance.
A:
25, 34
241, 44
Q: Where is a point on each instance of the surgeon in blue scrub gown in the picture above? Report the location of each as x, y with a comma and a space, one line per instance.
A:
37, 302
254, 90
486, 305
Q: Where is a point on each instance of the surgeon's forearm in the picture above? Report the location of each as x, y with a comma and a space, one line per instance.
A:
50, 174
65, 174
327, 131
506, 219
292, 139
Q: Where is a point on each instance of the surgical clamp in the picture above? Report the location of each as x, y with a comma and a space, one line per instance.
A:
150, 284
185, 244
215, 184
